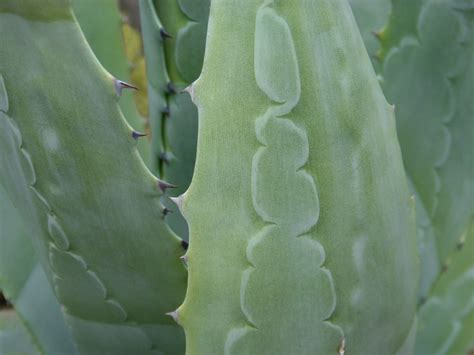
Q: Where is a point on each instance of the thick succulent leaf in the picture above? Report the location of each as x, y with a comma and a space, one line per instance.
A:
299, 195
14, 337
403, 22
174, 36
186, 22
429, 76
101, 23
371, 16
133, 46
446, 320
17, 257
24, 284
70, 162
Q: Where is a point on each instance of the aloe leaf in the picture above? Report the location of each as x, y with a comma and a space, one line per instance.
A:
24, 283
14, 338
101, 23
446, 320
306, 241
371, 16
428, 74
174, 35
403, 21
69, 161
133, 46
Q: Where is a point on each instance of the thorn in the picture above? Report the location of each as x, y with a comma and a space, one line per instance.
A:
173, 315
342, 347
190, 90
392, 107
166, 211
136, 135
184, 259
164, 35
166, 111
461, 242
120, 85
164, 157
377, 56
445, 266
184, 244
377, 34
178, 201
163, 185
170, 89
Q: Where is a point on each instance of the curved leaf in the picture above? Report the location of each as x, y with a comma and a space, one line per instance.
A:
299, 195
69, 161
24, 284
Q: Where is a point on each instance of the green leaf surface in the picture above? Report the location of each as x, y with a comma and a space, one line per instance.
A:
69, 161
302, 233
429, 76
14, 338
371, 16
173, 62
446, 320
403, 22
101, 23
24, 284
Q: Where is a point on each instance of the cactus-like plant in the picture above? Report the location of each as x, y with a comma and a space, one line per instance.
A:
100, 22
309, 196
437, 61
430, 45
302, 229
24, 283
14, 338
85, 203
174, 48
371, 15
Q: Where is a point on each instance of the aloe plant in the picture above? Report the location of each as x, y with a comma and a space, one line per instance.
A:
38, 324
281, 186
67, 192
446, 319
101, 23
301, 223
371, 16
174, 37
437, 108
435, 127
14, 338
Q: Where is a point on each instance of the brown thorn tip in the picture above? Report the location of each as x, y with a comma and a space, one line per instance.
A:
170, 88
120, 85
377, 34
163, 185
166, 211
165, 157
165, 111
185, 244
137, 135
164, 34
